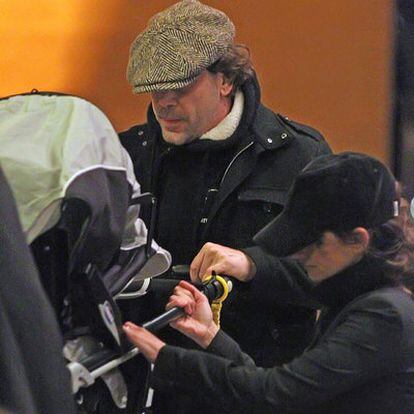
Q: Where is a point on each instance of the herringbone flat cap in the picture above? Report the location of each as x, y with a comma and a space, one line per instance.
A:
177, 45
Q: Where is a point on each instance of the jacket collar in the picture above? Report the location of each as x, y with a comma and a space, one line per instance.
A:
337, 292
269, 130
368, 274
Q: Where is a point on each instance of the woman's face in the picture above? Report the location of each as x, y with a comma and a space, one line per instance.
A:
331, 255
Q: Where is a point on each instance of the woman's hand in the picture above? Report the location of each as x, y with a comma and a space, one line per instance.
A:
147, 343
222, 260
198, 322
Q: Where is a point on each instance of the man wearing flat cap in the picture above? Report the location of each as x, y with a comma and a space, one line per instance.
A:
219, 162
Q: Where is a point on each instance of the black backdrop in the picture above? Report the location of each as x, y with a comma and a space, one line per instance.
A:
403, 149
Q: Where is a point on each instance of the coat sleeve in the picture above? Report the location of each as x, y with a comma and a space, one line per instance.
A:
280, 281
224, 346
365, 346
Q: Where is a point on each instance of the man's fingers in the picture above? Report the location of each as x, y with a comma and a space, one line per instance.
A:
204, 259
195, 266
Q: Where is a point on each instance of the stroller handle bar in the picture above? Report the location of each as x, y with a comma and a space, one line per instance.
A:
214, 289
85, 372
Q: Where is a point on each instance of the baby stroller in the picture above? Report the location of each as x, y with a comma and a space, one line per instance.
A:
78, 203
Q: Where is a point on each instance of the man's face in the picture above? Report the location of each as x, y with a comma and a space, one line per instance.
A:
187, 113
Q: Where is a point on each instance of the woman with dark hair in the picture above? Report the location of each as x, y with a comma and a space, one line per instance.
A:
343, 223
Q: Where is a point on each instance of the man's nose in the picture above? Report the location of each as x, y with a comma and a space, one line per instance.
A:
165, 98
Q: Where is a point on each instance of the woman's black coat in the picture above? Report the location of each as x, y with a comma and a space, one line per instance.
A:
361, 361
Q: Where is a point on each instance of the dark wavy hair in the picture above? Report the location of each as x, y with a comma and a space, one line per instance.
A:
236, 66
393, 242
389, 241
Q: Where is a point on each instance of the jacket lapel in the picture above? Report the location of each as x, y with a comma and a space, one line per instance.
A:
237, 171
269, 134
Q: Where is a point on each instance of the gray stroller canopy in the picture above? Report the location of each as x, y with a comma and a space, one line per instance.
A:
54, 147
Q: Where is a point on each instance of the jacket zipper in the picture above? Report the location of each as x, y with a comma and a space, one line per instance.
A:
204, 220
233, 160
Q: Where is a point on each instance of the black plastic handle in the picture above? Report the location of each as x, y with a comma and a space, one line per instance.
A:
212, 289
164, 319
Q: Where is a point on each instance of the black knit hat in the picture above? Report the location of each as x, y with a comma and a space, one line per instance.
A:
333, 192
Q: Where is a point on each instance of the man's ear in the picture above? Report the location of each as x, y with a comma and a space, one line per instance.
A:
226, 87
361, 237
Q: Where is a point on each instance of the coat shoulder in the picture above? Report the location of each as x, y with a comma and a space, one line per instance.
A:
274, 130
388, 298
137, 132
300, 128
138, 142
306, 136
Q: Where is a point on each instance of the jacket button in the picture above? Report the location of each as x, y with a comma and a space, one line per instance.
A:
144, 143
269, 140
140, 133
267, 207
275, 334
284, 135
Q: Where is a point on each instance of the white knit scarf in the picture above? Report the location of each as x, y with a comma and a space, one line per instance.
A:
229, 124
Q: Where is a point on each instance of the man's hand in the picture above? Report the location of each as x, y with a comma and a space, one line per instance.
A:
144, 340
198, 323
223, 260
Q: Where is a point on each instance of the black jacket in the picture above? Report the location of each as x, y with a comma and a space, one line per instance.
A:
33, 376
252, 172
361, 362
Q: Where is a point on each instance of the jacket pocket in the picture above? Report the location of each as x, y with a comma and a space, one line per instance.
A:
271, 200
244, 214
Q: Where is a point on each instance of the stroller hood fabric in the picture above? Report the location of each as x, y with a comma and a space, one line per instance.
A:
54, 147
47, 142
